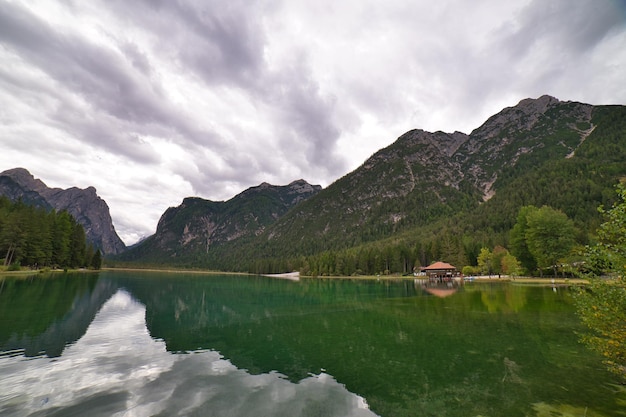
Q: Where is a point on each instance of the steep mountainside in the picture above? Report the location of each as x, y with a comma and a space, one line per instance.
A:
424, 176
197, 226
521, 138
412, 182
431, 190
84, 205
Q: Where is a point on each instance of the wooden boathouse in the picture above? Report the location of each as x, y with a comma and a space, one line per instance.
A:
441, 272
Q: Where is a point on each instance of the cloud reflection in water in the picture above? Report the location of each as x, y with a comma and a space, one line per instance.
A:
116, 368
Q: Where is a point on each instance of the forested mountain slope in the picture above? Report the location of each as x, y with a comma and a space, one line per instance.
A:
575, 184
423, 177
439, 195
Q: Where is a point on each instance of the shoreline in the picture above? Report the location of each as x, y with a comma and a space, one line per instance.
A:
28, 272
296, 276
174, 271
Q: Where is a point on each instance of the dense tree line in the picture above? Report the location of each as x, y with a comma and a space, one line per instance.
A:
38, 238
381, 258
542, 241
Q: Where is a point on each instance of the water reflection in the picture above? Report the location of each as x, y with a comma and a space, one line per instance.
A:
189, 344
64, 308
116, 368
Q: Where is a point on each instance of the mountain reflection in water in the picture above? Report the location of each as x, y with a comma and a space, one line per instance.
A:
117, 368
145, 343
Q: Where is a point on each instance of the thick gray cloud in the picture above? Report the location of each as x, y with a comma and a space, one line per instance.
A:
153, 101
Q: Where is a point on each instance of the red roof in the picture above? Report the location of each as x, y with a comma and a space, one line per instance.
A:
439, 266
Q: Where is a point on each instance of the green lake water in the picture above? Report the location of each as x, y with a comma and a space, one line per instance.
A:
144, 344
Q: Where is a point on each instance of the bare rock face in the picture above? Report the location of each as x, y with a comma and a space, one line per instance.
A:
201, 225
14, 192
85, 206
521, 132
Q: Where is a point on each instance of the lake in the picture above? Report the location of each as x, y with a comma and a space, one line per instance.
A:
182, 344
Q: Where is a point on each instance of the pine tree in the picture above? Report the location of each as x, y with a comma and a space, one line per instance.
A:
96, 261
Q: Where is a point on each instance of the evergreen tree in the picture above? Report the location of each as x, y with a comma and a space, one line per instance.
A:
78, 245
61, 233
96, 261
519, 246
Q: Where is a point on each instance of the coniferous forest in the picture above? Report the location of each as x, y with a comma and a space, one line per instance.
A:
38, 238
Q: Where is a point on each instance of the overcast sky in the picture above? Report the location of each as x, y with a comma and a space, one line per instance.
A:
152, 101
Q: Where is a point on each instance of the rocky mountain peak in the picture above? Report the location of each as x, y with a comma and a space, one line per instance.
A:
537, 105
419, 179
444, 143
301, 186
24, 178
521, 117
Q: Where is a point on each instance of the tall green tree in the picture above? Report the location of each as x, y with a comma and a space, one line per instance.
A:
510, 265
484, 261
542, 237
602, 305
550, 237
61, 234
96, 261
34, 237
519, 246
78, 245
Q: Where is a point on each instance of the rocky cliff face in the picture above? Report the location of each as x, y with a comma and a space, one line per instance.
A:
14, 191
85, 206
524, 134
199, 225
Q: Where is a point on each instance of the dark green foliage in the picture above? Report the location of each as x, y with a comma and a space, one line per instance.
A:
602, 305
36, 237
96, 261
518, 241
542, 238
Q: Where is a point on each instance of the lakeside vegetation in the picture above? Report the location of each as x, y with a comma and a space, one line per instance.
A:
602, 305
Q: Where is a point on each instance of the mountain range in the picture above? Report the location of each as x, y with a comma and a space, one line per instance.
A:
198, 225
427, 196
